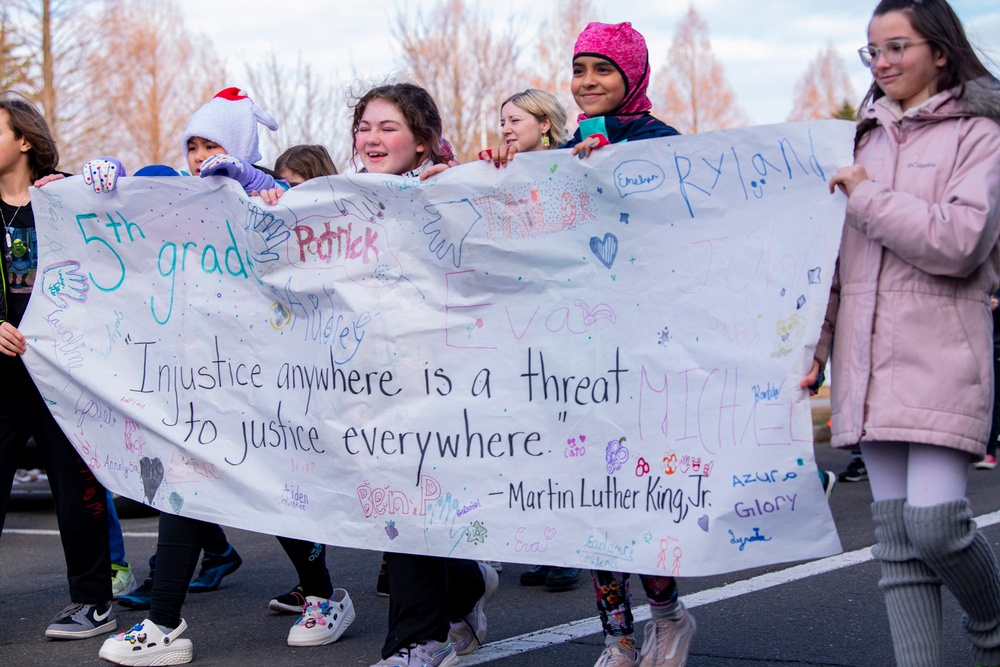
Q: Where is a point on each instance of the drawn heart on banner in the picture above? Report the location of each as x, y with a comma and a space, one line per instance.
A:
176, 502
703, 522
550, 533
605, 250
151, 471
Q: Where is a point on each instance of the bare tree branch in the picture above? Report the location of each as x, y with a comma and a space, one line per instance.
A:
170, 73
15, 58
694, 95
60, 37
466, 67
553, 64
309, 109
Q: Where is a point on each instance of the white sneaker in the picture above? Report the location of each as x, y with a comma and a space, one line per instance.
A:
422, 654
322, 621
468, 634
146, 644
666, 643
616, 655
122, 580
495, 564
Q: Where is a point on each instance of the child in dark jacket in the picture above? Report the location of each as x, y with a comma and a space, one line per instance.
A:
610, 78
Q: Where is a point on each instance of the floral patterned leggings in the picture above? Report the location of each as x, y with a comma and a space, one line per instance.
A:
614, 598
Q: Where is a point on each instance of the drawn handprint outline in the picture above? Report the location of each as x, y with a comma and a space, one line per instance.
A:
463, 219
63, 280
265, 233
446, 510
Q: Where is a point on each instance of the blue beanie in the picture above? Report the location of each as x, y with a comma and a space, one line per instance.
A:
157, 170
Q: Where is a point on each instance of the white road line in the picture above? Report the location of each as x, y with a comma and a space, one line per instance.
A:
559, 634
565, 632
31, 531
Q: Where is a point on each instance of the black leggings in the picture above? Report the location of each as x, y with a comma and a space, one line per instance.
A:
309, 559
428, 592
81, 501
216, 544
180, 543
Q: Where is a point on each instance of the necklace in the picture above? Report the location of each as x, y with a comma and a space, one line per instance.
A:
17, 210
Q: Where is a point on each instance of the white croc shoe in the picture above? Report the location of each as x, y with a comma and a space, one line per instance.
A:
322, 621
145, 644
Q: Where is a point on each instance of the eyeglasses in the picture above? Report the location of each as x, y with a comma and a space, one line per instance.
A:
892, 51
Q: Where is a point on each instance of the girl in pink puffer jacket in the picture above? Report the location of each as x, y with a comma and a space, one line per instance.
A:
912, 376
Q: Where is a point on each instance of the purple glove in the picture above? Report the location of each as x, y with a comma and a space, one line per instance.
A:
102, 174
238, 169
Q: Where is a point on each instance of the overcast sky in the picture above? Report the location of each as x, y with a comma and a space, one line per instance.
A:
764, 47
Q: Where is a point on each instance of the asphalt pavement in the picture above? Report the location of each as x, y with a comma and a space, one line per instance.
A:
820, 613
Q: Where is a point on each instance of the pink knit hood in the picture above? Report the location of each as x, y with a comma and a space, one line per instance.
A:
626, 49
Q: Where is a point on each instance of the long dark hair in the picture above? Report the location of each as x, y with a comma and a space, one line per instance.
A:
26, 122
937, 22
418, 109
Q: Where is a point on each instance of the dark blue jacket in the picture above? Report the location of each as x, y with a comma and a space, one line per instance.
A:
617, 131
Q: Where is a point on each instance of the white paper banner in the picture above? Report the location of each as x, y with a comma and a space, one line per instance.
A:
581, 362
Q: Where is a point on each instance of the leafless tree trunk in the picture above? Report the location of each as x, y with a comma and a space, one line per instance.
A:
466, 67
59, 35
170, 73
15, 58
